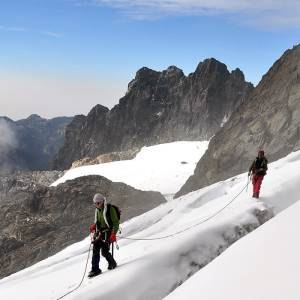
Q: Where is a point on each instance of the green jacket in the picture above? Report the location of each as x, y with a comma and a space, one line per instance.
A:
100, 220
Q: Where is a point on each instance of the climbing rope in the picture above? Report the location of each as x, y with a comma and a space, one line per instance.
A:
188, 228
157, 238
81, 278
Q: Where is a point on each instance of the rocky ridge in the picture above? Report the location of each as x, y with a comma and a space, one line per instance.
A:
17, 182
37, 221
158, 107
269, 120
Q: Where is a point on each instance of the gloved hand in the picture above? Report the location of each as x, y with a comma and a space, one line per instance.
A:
113, 237
92, 228
96, 236
249, 174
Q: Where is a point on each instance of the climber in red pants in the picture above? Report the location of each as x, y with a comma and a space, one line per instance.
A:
258, 169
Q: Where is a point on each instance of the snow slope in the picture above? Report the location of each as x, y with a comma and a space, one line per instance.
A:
163, 168
265, 265
201, 225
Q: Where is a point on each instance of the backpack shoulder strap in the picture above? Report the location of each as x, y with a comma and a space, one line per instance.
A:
108, 215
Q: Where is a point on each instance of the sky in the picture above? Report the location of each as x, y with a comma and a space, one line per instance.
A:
62, 57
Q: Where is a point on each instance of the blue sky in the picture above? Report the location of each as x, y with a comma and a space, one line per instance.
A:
61, 57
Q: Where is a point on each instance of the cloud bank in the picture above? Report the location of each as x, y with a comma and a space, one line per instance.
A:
8, 142
267, 13
23, 94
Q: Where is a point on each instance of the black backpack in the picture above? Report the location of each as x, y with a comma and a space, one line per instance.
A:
108, 216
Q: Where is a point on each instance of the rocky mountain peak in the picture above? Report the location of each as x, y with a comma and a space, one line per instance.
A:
173, 71
6, 119
34, 117
144, 77
287, 65
147, 78
238, 75
211, 66
98, 110
158, 107
146, 74
33, 121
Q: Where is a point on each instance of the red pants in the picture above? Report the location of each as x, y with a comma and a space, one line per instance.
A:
256, 181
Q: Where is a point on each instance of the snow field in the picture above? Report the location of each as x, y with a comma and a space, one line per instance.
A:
164, 168
154, 269
264, 265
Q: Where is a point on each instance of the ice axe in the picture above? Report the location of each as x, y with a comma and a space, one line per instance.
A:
112, 248
248, 180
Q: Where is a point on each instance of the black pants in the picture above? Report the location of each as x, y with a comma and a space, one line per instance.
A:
104, 246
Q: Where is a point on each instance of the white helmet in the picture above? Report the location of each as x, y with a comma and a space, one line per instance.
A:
98, 198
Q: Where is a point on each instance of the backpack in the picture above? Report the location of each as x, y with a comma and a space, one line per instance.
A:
261, 164
108, 217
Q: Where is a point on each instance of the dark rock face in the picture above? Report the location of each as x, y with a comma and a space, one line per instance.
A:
13, 184
30, 144
37, 221
158, 107
270, 120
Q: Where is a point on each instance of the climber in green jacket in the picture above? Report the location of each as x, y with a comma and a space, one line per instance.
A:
104, 229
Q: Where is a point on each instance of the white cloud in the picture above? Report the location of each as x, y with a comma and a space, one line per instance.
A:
8, 142
7, 138
10, 28
28, 30
268, 13
50, 96
51, 33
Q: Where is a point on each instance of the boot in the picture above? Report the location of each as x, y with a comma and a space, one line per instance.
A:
94, 273
112, 265
111, 262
